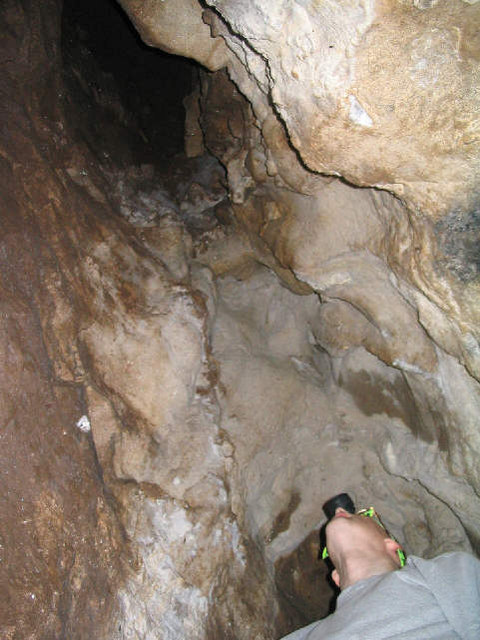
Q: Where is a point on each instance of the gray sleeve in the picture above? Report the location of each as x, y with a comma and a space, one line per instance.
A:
301, 634
454, 579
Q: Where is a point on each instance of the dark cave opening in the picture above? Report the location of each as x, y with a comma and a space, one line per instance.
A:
105, 62
124, 101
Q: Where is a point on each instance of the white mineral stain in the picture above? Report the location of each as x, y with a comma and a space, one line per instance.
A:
410, 368
358, 114
165, 605
84, 424
237, 545
390, 455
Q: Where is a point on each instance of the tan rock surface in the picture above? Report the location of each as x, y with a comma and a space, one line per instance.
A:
408, 286
365, 88
177, 27
321, 426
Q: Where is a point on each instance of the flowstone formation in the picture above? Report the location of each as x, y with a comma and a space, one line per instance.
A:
363, 91
200, 348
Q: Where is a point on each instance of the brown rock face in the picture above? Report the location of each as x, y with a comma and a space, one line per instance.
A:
196, 352
61, 544
60, 540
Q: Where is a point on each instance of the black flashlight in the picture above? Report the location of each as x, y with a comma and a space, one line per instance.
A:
341, 500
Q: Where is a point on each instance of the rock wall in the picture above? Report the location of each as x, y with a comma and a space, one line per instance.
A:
116, 517
347, 131
395, 268
187, 376
61, 542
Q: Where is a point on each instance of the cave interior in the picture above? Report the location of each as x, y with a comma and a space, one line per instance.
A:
206, 334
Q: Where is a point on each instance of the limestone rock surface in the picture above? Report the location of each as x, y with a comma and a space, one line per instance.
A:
177, 27
195, 357
382, 94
